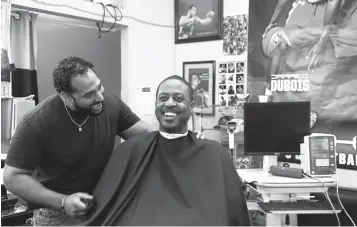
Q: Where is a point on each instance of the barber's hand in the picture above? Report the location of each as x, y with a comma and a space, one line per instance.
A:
74, 205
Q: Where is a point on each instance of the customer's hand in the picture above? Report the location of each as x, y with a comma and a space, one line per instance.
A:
74, 204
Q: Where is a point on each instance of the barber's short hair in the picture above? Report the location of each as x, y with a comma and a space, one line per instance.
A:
66, 70
175, 77
191, 6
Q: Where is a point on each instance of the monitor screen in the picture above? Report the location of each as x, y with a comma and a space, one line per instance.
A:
275, 128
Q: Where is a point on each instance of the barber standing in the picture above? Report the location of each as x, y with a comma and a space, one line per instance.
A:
66, 141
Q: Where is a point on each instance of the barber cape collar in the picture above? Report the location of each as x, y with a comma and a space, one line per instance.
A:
173, 136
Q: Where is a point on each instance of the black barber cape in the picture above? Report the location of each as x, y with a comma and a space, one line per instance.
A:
151, 180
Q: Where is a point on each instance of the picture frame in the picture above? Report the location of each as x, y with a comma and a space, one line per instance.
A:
202, 77
198, 20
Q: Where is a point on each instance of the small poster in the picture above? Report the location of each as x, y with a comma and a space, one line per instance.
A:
201, 76
235, 35
231, 83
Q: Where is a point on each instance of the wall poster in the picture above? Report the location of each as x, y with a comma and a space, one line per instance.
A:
198, 20
307, 51
235, 34
201, 76
231, 83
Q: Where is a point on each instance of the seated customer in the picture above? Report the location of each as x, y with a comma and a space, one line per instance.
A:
169, 177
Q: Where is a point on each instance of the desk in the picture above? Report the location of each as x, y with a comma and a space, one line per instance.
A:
280, 188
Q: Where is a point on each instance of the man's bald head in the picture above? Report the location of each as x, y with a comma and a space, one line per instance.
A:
175, 77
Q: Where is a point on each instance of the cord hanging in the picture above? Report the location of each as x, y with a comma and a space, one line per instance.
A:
48, 3
100, 26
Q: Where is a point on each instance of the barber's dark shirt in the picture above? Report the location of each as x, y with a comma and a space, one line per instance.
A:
70, 160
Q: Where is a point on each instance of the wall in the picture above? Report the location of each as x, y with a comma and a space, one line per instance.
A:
147, 49
148, 53
212, 50
56, 41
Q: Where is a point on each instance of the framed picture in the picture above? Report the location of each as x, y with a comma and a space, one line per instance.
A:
231, 84
198, 20
201, 76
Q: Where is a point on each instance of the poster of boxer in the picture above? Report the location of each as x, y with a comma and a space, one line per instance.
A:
201, 76
198, 20
306, 50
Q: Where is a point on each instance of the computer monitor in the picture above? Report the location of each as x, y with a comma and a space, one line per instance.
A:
275, 127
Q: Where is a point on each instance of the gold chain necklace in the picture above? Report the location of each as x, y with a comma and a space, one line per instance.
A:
79, 126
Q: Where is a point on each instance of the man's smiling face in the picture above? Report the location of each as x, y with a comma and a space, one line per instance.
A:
173, 106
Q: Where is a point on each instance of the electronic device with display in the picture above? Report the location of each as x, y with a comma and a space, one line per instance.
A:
275, 128
318, 155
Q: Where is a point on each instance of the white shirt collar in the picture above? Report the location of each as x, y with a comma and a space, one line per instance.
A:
171, 136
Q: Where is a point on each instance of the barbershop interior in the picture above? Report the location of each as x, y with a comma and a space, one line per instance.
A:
179, 112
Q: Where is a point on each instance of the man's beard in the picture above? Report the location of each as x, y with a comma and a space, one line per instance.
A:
88, 111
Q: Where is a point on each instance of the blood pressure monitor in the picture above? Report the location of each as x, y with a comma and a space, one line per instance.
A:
318, 155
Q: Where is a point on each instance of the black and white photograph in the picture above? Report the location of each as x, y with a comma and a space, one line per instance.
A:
201, 76
230, 79
231, 68
240, 67
222, 100
229, 112
240, 89
235, 34
198, 20
222, 90
222, 68
232, 100
231, 90
222, 79
240, 78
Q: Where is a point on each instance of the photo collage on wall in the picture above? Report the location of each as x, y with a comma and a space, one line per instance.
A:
235, 34
231, 83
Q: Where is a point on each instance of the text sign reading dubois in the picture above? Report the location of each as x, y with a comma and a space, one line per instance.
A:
290, 82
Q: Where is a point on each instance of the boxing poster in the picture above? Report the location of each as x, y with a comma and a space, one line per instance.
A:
198, 20
201, 76
306, 50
